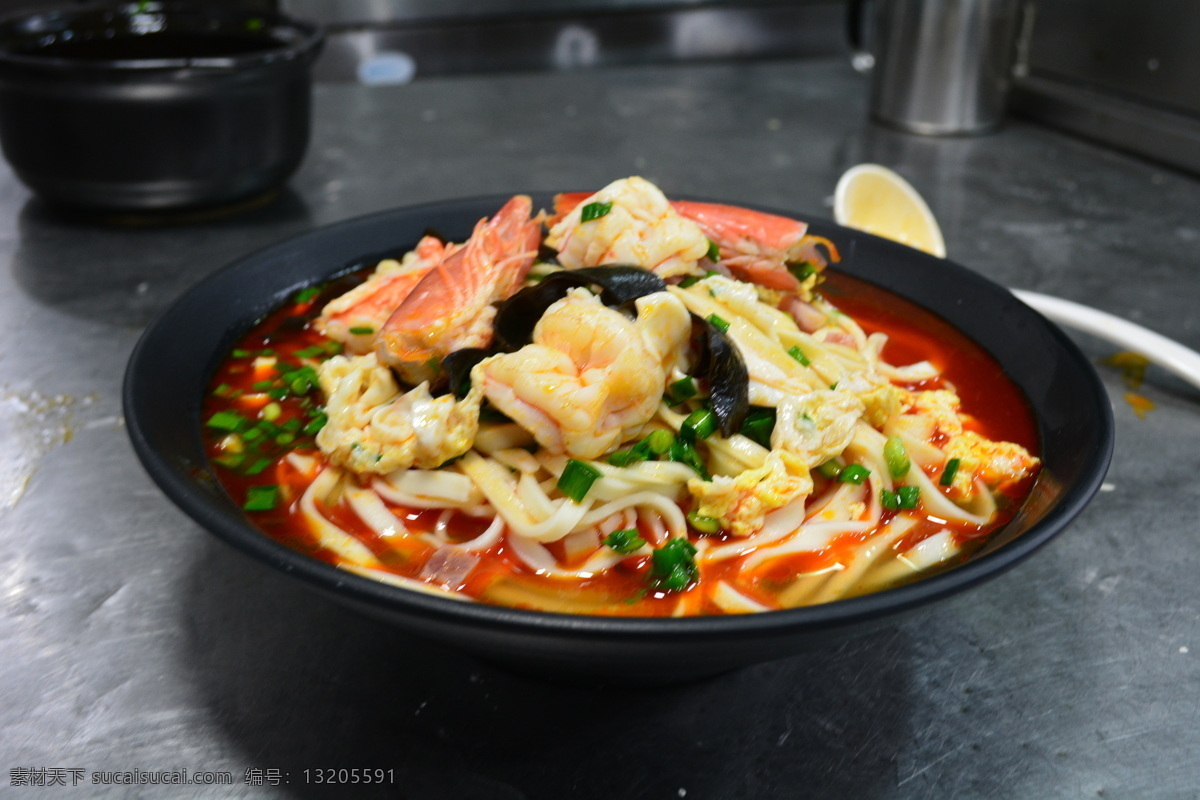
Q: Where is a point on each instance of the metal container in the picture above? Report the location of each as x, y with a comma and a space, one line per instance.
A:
940, 66
154, 106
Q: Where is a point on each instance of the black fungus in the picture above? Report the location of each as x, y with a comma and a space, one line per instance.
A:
721, 366
619, 284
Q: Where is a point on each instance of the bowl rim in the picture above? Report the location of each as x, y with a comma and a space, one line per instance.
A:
180, 486
292, 38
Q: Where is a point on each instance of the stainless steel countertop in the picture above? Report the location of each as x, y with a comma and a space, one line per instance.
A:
132, 640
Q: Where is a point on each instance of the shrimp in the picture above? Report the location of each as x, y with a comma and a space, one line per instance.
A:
354, 318
591, 378
450, 308
753, 245
639, 227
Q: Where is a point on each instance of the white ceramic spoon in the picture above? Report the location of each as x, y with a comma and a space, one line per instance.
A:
1160, 350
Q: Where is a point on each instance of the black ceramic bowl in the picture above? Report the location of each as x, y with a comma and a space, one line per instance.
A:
154, 106
172, 364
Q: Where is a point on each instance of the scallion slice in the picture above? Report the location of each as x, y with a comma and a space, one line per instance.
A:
830, 469
702, 523
908, 496
682, 390
700, 424
720, 323
795, 352
759, 424
659, 441
896, 456
362, 330
227, 421
949, 472
577, 479
673, 566
853, 473
625, 541
261, 498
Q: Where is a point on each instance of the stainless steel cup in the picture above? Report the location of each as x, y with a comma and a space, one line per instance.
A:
941, 67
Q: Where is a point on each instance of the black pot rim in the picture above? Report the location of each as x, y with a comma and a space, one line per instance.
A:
178, 481
289, 39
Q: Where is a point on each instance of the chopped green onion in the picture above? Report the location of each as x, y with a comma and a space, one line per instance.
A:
259, 465
949, 472
896, 456
759, 424
659, 441
577, 478
227, 421
271, 411
305, 295
802, 270
682, 390
594, 211
239, 353
284, 439
853, 473
702, 523
684, 453
625, 541
230, 460
362, 330
315, 424
692, 280
905, 497
830, 469
622, 458
673, 566
720, 323
311, 352
714, 251
795, 352
261, 498
224, 390
700, 424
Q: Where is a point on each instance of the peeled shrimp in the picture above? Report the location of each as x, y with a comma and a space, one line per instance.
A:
753, 245
639, 228
450, 308
591, 378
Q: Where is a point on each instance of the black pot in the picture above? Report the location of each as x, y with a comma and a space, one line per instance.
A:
155, 106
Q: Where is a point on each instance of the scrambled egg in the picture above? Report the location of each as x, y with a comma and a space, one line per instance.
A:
741, 503
373, 428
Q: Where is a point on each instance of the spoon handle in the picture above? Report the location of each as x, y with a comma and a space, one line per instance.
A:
1167, 353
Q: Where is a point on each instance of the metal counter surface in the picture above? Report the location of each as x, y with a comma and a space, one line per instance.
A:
132, 640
